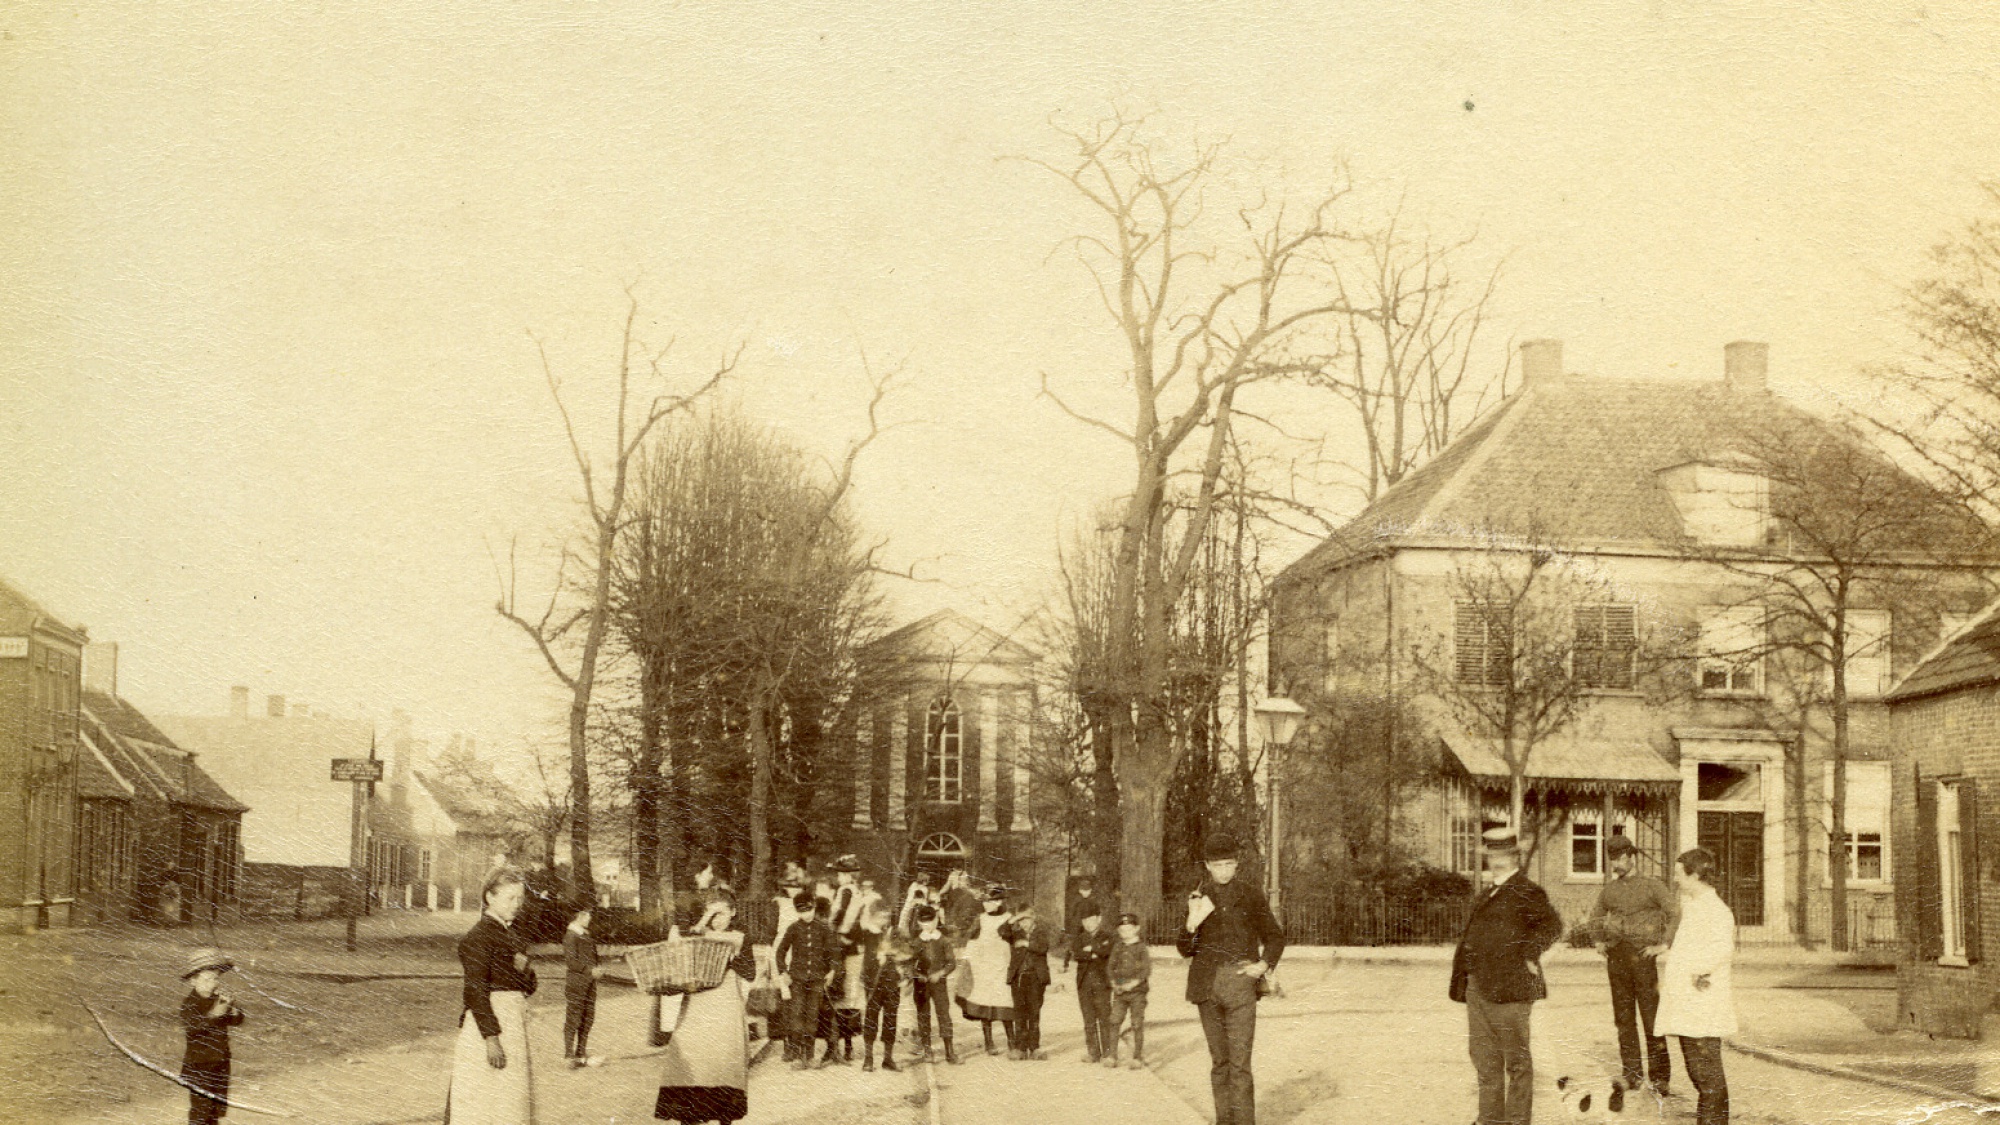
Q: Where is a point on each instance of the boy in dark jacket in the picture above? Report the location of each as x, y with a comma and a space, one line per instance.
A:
1130, 968
884, 961
1090, 947
579, 989
934, 960
1028, 976
206, 1016
809, 956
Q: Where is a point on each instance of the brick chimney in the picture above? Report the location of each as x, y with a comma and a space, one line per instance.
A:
1541, 362
100, 667
239, 702
274, 706
1746, 365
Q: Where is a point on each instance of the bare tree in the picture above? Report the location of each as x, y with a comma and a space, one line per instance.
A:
571, 640
1198, 327
1953, 379
1535, 632
1403, 353
1847, 532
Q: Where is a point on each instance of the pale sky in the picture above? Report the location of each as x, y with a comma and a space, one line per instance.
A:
267, 386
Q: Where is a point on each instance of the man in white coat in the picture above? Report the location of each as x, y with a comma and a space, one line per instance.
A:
1696, 1002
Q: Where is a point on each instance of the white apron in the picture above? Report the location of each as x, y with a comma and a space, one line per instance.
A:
481, 1095
711, 1043
986, 957
1703, 946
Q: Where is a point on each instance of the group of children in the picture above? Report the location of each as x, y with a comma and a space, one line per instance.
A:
843, 965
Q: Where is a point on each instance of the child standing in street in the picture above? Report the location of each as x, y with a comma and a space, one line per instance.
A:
579, 989
207, 1015
1028, 976
1131, 972
934, 961
1091, 948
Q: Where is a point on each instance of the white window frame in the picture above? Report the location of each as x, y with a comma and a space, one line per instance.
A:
1728, 507
1869, 636
944, 753
1742, 629
1581, 820
1855, 772
1951, 877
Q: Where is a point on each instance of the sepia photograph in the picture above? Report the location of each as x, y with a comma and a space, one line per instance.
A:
827, 563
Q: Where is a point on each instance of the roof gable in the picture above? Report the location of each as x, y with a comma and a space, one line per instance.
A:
1969, 658
144, 761
949, 636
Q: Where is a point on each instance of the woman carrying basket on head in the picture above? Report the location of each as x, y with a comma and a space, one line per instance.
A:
705, 1073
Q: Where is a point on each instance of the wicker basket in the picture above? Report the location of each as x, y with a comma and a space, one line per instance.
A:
685, 965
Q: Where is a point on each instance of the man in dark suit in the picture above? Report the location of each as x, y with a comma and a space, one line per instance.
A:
1234, 940
1497, 974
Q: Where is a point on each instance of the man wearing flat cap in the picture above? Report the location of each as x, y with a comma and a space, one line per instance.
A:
1632, 923
1496, 973
1235, 941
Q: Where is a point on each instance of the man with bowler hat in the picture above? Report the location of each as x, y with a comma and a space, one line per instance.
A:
1235, 941
1632, 923
1496, 972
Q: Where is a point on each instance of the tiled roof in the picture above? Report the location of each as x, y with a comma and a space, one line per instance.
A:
474, 813
146, 759
97, 780
1576, 460
1970, 658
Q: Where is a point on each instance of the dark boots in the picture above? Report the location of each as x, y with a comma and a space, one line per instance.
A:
889, 1053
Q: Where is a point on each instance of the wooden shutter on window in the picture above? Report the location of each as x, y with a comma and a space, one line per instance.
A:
1968, 847
1929, 902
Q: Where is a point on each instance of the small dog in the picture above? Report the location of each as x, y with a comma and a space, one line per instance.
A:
1592, 1101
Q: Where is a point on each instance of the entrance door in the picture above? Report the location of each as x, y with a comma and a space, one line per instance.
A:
1736, 839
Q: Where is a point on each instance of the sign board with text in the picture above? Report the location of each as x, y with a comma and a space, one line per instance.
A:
13, 647
357, 769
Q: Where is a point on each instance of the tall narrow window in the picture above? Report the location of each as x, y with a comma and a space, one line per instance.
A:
1732, 650
1951, 871
1482, 644
1607, 646
1867, 652
944, 754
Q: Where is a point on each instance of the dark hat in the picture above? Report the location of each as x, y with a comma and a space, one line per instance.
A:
1128, 919
1620, 846
1501, 839
1217, 848
207, 958
1088, 908
926, 913
847, 863
996, 893
1085, 883
803, 902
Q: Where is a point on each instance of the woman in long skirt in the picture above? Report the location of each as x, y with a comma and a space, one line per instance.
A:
490, 1076
987, 954
705, 1074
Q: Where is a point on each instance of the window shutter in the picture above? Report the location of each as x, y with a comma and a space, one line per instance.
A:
1929, 903
1968, 829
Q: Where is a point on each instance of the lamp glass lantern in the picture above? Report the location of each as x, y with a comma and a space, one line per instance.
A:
1280, 718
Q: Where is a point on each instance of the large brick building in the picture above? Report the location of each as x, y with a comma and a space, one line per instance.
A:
1642, 481
41, 693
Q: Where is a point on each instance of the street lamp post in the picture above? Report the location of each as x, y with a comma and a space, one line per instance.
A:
1279, 717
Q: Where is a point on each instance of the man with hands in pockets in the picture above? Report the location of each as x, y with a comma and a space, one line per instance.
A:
1235, 941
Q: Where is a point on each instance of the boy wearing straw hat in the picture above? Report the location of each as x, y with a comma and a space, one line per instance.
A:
206, 1016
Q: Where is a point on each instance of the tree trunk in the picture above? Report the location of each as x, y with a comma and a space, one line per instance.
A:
1142, 803
1802, 848
646, 790
1106, 842
760, 798
581, 879
1837, 838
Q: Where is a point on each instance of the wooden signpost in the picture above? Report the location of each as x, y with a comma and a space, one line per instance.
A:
362, 772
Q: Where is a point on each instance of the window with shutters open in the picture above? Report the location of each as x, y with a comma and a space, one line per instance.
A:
1482, 644
1606, 650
